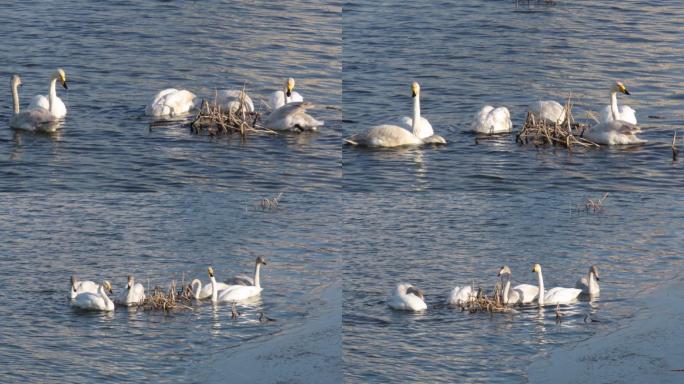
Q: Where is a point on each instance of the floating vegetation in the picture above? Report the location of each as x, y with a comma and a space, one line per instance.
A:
541, 132
213, 121
481, 302
591, 205
172, 299
272, 203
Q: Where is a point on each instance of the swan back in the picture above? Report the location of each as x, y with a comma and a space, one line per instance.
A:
460, 295
548, 110
386, 136
614, 132
406, 297
292, 116
172, 102
229, 100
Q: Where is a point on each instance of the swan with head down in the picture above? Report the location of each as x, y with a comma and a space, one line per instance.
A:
405, 297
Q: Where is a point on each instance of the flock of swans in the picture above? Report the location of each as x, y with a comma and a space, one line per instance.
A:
88, 295
406, 297
288, 110
617, 125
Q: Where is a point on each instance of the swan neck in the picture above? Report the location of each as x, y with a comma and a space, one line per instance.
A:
507, 287
256, 275
416, 113
214, 294
15, 98
541, 288
53, 94
196, 290
614, 104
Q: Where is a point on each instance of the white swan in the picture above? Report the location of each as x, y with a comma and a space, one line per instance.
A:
554, 296
237, 293
461, 295
96, 301
133, 294
614, 132
82, 286
613, 111
549, 110
32, 119
244, 279
521, 293
422, 129
490, 120
407, 298
589, 285
172, 102
229, 100
292, 117
56, 107
287, 95
201, 292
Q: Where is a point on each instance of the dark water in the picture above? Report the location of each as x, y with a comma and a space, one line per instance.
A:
469, 53
447, 240
157, 238
117, 55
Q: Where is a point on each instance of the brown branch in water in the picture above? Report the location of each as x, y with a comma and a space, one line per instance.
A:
271, 203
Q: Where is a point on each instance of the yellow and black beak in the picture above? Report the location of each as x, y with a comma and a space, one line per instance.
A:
413, 93
626, 92
64, 84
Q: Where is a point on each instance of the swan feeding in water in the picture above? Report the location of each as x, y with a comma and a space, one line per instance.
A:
52, 102
614, 112
461, 295
405, 297
292, 117
548, 110
96, 301
287, 95
556, 295
172, 102
38, 119
589, 285
490, 120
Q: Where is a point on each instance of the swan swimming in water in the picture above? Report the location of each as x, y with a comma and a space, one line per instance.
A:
244, 279
490, 120
172, 102
133, 294
96, 301
461, 295
292, 117
407, 298
422, 129
614, 112
201, 292
229, 100
56, 107
589, 285
549, 110
554, 296
38, 119
388, 136
520, 294
82, 286
237, 293
615, 132
287, 95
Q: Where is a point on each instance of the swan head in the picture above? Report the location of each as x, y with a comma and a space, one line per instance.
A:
417, 292
131, 282
536, 268
107, 286
504, 271
619, 87
289, 86
16, 81
594, 270
260, 260
210, 271
415, 89
434, 139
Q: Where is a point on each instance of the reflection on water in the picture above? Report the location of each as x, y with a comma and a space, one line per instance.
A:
437, 241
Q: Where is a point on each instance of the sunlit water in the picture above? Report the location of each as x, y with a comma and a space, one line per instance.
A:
447, 240
466, 54
117, 55
157, 238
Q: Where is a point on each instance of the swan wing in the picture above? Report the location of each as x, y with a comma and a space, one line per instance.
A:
549, 110
238, 293
240, 280
295, 96
386, 136
528, 292
292, 116
478, 124
276, 100
229, 99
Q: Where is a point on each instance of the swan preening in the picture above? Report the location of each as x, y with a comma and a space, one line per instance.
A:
490, 120
396, 136
553, 296
52, 102
520, 294
292, 117
82, 286
98, 301
287, 95
133, 294
461, 295
31, 119
172, 102
405, 297
589, 285
548, 110
238, 292
231, 100
614, 112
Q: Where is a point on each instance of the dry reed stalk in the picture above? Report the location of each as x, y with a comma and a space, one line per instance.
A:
483, 303
271, 203
173, 299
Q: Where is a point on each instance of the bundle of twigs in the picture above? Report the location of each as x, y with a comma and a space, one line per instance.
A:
566, 134
212, 120
481, 302
173, 299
